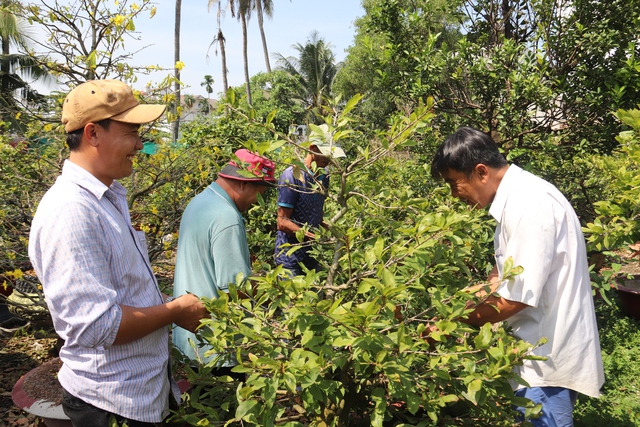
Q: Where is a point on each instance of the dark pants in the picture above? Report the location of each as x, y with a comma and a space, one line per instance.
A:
83, 414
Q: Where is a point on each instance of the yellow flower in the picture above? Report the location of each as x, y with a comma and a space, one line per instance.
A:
118, 20
16, 274
179, 65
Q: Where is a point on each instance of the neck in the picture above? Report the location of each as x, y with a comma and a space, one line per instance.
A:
230, 187
86, 162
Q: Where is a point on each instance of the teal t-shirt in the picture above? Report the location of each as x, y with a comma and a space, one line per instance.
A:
212, 250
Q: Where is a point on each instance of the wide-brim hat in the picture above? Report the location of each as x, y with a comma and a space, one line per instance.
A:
322, 139
98, 100
250, 167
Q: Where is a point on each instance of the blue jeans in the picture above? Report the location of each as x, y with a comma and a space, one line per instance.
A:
557, 405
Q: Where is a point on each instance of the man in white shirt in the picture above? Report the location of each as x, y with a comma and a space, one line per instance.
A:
94, 267
552, 298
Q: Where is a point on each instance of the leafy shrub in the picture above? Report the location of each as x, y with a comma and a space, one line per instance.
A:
326, 348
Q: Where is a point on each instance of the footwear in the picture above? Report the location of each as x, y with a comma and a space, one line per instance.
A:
10, 326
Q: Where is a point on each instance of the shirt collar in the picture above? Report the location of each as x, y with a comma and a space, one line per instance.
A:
83, 178
500, 199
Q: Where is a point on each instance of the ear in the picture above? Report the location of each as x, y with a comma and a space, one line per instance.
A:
483, 172
90, 133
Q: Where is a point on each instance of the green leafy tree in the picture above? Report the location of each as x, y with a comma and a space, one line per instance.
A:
207, 84
524, 71
315, 70
276, 93
616, 224
17, 66
326, 348
84, 40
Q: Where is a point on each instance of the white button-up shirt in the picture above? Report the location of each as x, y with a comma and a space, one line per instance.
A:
90, 261
539, 229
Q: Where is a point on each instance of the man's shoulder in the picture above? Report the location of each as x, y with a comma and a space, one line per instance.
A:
289, 175
65, 194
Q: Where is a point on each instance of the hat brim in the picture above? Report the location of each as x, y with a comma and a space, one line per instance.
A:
334, 151
143, 113
233, 172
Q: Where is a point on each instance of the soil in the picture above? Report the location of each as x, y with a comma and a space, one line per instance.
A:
42, 384
18, 355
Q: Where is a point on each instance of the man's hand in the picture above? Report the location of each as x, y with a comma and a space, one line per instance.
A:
191, 311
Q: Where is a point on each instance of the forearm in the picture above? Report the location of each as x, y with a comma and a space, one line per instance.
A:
185, 311
291, 228
493, 309
140, 322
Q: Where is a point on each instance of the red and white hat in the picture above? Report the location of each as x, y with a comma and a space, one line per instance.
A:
249, 167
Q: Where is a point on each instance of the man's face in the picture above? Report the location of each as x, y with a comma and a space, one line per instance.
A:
117, 148
470, 189
250, 195
321, 161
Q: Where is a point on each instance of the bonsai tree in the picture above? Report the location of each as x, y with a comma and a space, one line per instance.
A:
330, 348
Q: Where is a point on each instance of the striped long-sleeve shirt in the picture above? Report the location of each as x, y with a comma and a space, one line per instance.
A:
90, 261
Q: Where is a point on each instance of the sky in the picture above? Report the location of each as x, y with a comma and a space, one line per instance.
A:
291, 24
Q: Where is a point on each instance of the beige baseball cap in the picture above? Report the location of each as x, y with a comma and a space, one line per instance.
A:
97, 100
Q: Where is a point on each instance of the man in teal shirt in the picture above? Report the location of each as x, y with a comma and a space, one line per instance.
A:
212, 245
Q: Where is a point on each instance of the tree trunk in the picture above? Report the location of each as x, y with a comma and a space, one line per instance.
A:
506, 18
176, 54
223, 55
243, 18
264, 38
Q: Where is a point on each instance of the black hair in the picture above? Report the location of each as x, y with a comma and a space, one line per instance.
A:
74, 137
464, 150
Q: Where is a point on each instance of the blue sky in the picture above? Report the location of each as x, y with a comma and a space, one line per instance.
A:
292, 23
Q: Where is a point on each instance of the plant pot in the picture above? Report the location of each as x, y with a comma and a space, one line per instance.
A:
629, 294
39, 393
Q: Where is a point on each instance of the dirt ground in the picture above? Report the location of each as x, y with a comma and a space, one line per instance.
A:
18, 355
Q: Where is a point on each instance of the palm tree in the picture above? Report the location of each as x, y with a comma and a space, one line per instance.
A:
244, 13
315, 70
14, 67
219, 39
207, 83
176, 58
264, 7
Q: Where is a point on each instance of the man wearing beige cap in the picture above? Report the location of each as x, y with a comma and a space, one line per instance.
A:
301, 196
95, 271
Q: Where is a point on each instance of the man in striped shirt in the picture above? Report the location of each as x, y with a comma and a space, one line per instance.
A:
95, 271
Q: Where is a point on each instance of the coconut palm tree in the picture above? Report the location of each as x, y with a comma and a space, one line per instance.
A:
315, 70
264, 7
219, 40
243, 8
207, 84
14, 67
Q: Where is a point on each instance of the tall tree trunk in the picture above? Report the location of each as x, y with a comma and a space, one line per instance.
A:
176, 58
243, 19
223, 56
506, 18
264, 38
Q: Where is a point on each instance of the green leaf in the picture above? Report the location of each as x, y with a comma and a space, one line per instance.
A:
244, 408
